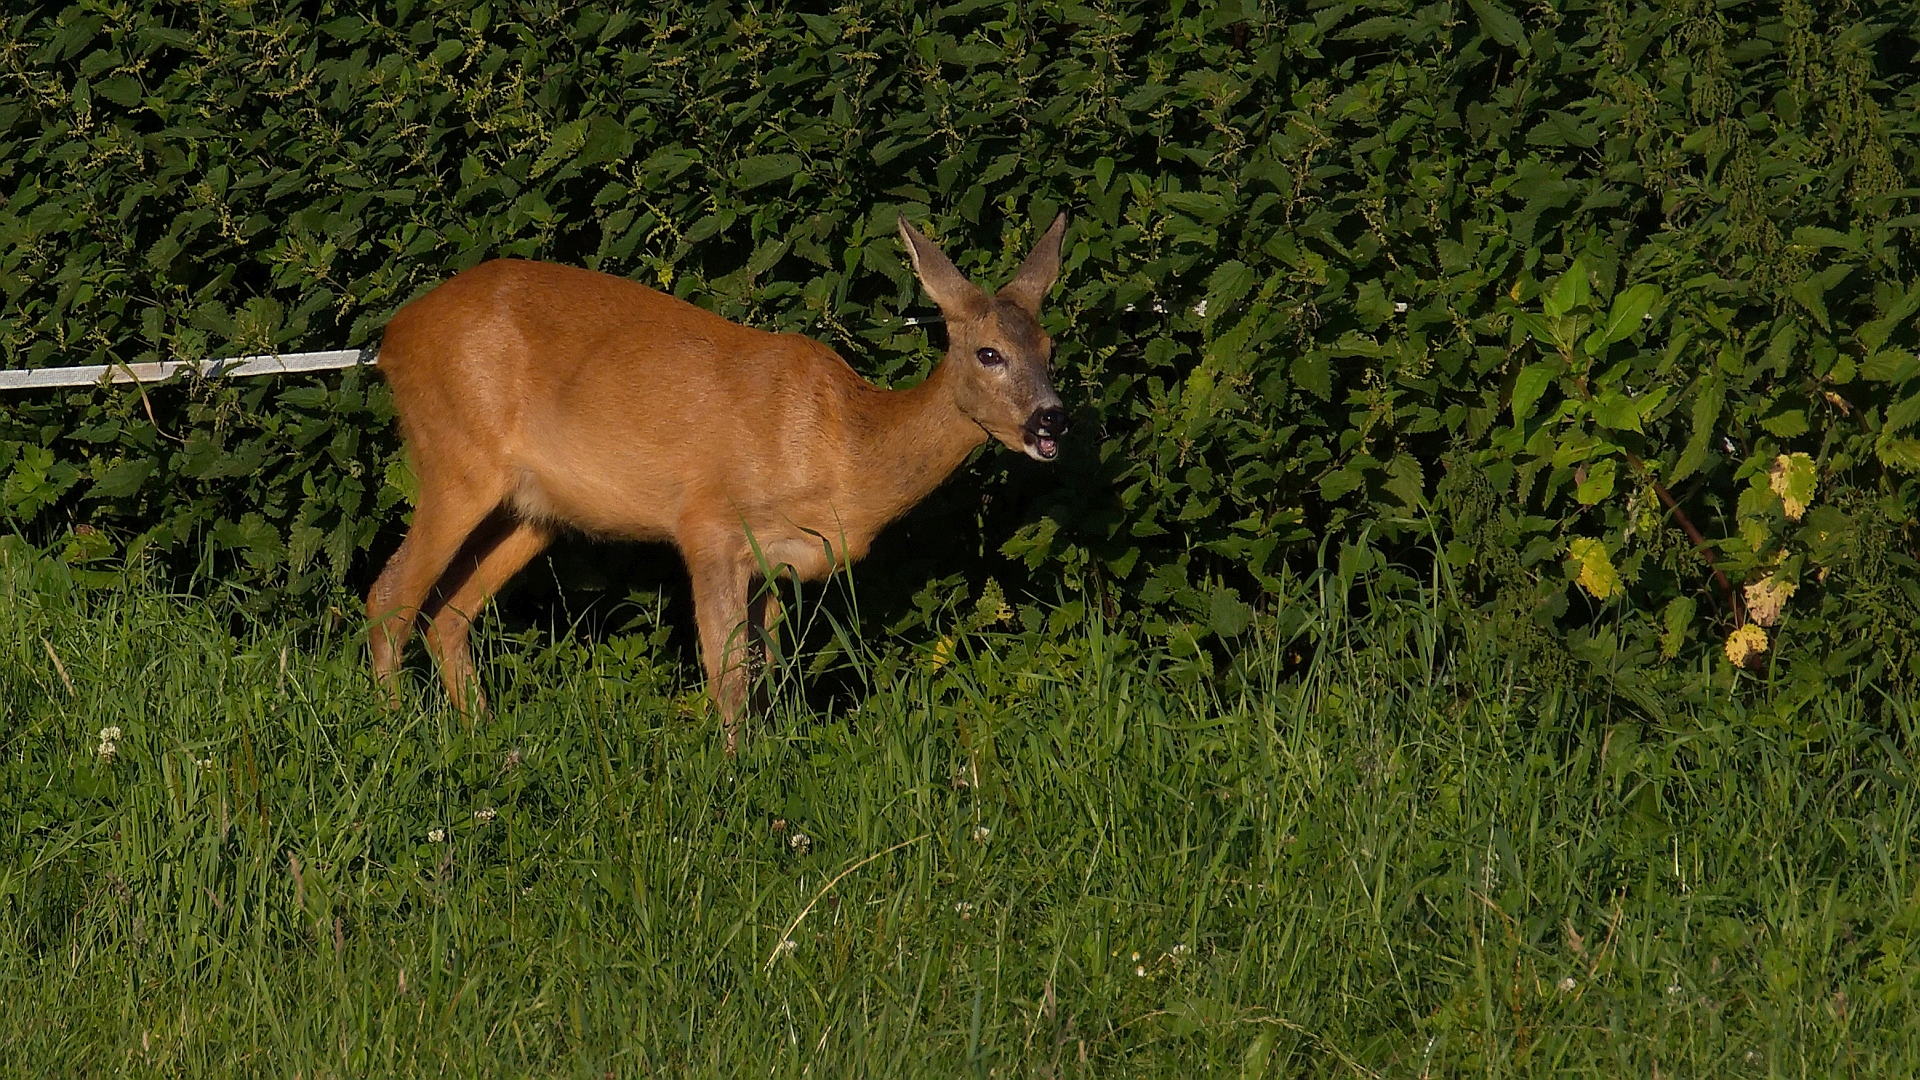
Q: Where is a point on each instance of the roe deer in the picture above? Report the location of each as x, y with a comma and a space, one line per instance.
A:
535, 397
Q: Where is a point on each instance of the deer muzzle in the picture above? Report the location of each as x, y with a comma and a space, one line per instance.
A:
1043, 431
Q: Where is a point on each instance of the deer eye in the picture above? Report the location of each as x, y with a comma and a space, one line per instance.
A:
990, 357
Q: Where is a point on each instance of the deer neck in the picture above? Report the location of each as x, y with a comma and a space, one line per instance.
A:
910, 441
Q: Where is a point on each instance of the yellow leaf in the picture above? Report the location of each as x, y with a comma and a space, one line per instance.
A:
1745, 644
1597, 575
1765, 599
1794, 479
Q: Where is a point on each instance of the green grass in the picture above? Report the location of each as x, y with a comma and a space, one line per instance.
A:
1372, 847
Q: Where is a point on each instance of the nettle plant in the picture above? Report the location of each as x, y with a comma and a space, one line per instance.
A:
1289, 323
1607, 420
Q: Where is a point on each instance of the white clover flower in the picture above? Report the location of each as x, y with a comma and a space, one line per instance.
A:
789, 947
800, 842
436, 834
107, 750
1568, 985
982, 834
485, 816
964, 909
1675, 989
109, 734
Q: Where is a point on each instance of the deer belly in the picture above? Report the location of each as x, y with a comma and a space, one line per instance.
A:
604, 502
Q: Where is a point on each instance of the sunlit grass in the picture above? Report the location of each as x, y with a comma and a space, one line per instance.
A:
1371, 846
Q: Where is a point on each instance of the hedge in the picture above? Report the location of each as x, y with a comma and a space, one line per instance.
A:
1513, 299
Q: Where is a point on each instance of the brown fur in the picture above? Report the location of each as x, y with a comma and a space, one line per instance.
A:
534, 397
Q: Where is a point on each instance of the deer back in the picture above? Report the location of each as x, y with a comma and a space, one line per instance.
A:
602, 404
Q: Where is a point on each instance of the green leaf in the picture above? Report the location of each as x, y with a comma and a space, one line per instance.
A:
1677, 619
345, 28
399, 476
1616, 410
1598, 485
1812, 290
1629, 311
1894, 366
1901, 415
1227, 614
1786, 424
1817, 237
1312, 371
1755, 514
606, 140
826, 29
567, 139
1903, 454
1226, 286
1498, 23
1573, 290
36, 481
1707, 402
763, 169
1528, 386
1406, 481
1371, 303
122, 90
121, 480
1534, 326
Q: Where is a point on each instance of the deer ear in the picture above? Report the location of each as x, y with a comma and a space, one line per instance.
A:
944, 284
1038, 272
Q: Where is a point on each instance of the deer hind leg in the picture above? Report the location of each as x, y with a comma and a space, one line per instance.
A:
765, 615
476, 575
720, 584
441, 524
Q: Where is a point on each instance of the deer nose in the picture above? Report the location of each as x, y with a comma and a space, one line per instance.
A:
1050, 422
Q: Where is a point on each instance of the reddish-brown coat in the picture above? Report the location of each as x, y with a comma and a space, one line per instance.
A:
534, 397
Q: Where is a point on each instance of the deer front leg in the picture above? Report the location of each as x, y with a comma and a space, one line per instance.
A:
720, 583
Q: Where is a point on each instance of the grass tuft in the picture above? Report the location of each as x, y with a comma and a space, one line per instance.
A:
1374, 847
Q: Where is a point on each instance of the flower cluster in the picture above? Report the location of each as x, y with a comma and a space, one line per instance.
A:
109, 743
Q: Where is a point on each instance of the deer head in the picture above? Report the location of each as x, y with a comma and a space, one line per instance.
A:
999, 360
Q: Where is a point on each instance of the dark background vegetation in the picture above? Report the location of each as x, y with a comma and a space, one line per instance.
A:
1358, 704
1316, 248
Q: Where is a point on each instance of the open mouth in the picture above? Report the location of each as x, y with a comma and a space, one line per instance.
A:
1042, 432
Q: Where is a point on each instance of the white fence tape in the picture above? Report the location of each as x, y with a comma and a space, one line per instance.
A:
147, 373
